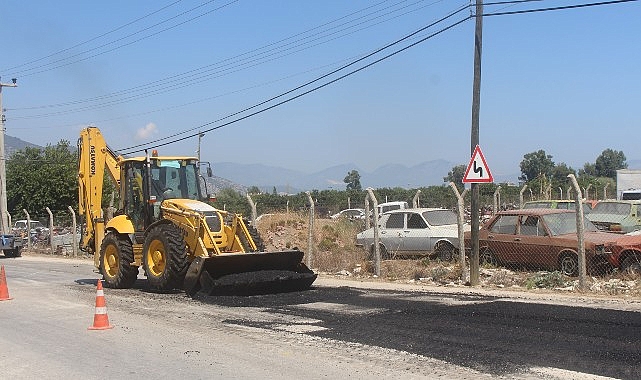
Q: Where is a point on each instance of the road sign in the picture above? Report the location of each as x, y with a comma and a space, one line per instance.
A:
477, 170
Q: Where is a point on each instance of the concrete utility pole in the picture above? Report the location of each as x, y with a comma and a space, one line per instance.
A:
476, 110
200, 136
4, 225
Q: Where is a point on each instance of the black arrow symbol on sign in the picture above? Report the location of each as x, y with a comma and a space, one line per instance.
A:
478, 170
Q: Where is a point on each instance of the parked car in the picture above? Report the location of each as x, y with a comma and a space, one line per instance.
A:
390, 206
21, 225
562, 204
617, 216
350, 213
547, 238
414, 232
20, 229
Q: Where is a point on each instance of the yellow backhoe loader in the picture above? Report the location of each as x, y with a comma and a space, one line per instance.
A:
163, 224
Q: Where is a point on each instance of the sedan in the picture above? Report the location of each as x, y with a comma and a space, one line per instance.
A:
414, 232
350, 213
547, 238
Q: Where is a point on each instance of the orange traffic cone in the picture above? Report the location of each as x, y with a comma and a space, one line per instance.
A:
4, 291
100, 318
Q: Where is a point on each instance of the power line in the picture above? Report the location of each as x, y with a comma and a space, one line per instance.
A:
94, 38
240, 62
295, 96
564, 7
45, 67
201, 130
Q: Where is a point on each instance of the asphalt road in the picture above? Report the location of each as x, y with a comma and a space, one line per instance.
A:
338, 329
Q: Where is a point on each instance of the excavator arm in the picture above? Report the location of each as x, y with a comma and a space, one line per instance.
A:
94, 158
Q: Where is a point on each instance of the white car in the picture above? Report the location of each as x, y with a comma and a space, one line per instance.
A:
351, 214
414, 232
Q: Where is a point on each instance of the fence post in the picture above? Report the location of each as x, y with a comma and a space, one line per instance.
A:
377, 247
28, 228
50, 230
460, 216
497, 200
521, 195
367, 213
579, 232
75, 236
310, 234
415, 200
253, 207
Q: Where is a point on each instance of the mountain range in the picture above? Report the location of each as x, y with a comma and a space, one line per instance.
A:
267, 178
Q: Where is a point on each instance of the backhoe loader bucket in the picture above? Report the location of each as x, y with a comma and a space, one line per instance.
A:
249, 274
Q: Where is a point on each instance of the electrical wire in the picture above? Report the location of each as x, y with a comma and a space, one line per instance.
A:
563, 7
201, 130
94, 38
45, 67
240, 62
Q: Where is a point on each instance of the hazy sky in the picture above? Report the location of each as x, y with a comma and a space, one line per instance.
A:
566, 81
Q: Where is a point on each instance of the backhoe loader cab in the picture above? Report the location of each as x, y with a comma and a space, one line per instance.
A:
147, 185
163, 225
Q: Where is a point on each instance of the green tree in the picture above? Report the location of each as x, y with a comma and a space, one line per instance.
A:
536, 164
560, 173
353, 180
588, 169
456, 175
608, 162
40, 178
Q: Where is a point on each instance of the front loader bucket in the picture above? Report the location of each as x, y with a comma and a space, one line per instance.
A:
249, 273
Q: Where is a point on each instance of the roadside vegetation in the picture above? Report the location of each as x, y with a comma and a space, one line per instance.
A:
334, 254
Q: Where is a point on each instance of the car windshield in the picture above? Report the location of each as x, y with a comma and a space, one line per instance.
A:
565, 223
440, 217
537, 205
612, 208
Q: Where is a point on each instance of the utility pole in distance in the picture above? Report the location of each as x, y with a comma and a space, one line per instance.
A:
476, 108
4, 225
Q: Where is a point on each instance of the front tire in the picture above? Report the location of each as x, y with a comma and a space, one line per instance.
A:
116, 256
383, 250
569, 264
486, 257
445, 251
165, 257
631, 265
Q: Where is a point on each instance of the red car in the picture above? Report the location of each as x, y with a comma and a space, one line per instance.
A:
547, 238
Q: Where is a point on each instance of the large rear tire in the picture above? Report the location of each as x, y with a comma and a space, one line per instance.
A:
116, 256
165, 257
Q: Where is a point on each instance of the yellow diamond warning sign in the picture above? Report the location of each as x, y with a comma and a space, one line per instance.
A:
477, 170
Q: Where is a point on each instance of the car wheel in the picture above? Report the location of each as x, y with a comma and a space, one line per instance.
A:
631, 265
486, 257
569, 264
384, 253
445, 251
